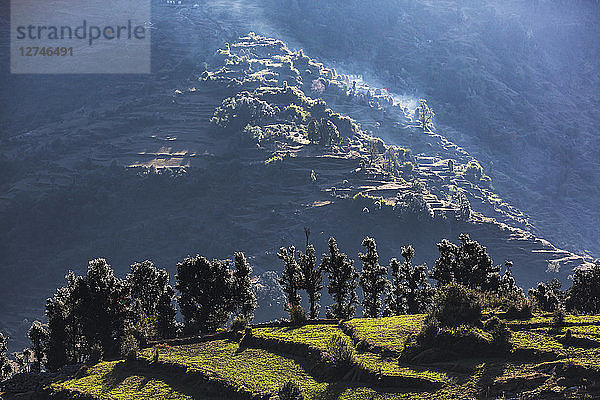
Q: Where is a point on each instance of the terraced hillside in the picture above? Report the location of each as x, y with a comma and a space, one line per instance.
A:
180, 171
543, 362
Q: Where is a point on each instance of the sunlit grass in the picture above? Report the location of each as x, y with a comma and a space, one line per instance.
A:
389, 333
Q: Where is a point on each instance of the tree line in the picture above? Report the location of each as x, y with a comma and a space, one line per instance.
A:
99, 315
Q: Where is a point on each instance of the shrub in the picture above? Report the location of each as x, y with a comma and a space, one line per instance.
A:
290, 391
340, 351
297, 314
518, 308
129, 347
473, 171
558, 318
239, 324
455, 305
500, 332
584, 295
96, 354
547, 296
447, 342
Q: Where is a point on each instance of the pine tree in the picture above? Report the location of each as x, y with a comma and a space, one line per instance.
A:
343, 281
373, 279
206, 287
411, 292
245, 300
291, 281
311, 279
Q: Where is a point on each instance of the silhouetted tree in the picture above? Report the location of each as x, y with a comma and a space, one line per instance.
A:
311, 279
244, 298
291, 281
548, 295
89, 313
373, 279
467, 264
63, 329
206, 288
150, 287
584, 295
166, 325
410, 292
100, 307
343, 281
38, 335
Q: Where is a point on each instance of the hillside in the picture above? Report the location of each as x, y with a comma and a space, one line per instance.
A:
542, 362
515, 83
153, 178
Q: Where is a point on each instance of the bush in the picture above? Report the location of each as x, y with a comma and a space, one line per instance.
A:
297, 314
129, 347
290, 391
547, 296
96, 354
455, 305
238, 324
340, 351
446, 343
500, 332
584, 294
558, 318
518, 308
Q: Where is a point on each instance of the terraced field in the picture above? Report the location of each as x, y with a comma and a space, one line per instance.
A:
540, 364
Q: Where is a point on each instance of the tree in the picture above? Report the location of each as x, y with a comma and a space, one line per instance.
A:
151, 296
467, 264
38, 335
62, 328
312, 279
244, 298
373, 279
411, 292
324, 132
5, 367
584, 295
548, 295
86, 315
343, 281
424, 114
101, 307
166, 325
508, 285
206, 287
291, 281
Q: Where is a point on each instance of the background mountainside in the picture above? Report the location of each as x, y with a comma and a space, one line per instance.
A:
516, 83
66, 197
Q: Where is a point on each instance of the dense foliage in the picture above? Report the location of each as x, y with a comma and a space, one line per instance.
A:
343, 280
373, 279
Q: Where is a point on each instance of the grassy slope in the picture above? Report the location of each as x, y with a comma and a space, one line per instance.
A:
188, 371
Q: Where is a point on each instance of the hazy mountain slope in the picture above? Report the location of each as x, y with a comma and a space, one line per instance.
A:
76, 201
518, 82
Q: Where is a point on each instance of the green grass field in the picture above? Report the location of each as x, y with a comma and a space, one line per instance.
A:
223, 368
